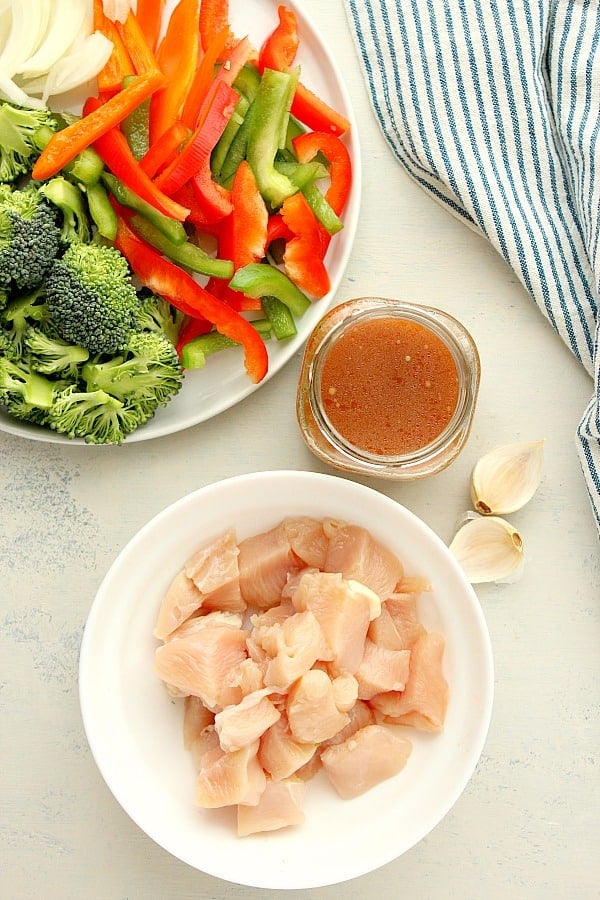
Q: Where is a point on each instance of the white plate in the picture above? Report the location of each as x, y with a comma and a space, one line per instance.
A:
135, 730
223, 382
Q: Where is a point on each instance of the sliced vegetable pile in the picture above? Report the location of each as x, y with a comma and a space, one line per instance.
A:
188, 209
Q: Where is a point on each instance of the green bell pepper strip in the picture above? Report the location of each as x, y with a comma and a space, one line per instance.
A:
237, 150
321, 208
259, 280
280, 317
300, 173
187, 255
101, 211
223, 145
171, 228
136, 128
247, 81
194, 353
268, 133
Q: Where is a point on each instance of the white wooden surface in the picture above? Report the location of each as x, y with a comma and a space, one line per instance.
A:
528, 824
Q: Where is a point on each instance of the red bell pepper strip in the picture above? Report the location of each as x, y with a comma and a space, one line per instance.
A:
318, 115
119, 65
277, 229
167, 280
303, 255
163, 152
203, 79
149, 15
306, 146
65, 145
177, 56
116, 154
141, 55
204, 88
194, 160
235, 299
244, 232
280, 48
214, 17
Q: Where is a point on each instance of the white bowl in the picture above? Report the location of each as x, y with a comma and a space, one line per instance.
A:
135, 730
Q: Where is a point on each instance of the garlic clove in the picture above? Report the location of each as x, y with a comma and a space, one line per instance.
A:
506, 478
488, 548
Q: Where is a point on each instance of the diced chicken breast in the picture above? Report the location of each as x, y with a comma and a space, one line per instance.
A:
265, 561
371, 755
244, 723
424, 701
250, 677
345, 691
357, 555
206, 620
280, 754
398, 626
311, 709
226, 779
179, 603
214, 570
343, 612
307, 539
205, 664
381, 670
280, 806
298, 644
206, 741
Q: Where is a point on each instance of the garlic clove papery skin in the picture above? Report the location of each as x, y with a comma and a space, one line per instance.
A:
488, 548
507, 477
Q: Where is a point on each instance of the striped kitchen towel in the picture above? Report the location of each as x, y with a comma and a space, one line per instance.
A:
493, 107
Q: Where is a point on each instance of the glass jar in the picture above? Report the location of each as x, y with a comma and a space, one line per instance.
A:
388, 388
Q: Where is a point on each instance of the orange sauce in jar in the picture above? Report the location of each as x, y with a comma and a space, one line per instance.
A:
389, 386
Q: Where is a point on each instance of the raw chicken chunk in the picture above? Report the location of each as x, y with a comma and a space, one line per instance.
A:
381, 670
280, 753
265, 560
371, 755
424, 701
226, 779
205, 663
280, 806
398, 626
308, 540
354, 553
311, 709
243, 723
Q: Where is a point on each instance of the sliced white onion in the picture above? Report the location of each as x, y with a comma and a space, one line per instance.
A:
29, 23
116, 10
68, 17
78, 66
11, 91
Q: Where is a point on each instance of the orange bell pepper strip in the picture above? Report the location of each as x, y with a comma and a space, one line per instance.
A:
65, 145
142, 56
149, 15
193, 163
314, 112
306, 146
116, 154
279, 49
202, 79
303, 255
164, 151
119, 65
166, 279
214, 17
177, 57
197, 102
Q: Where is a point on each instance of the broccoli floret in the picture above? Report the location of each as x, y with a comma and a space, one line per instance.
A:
23, 312
157, 314
29, 237
93, 415
51, 355
91, 297
148, 372
70, 201
18, 148
24, 393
